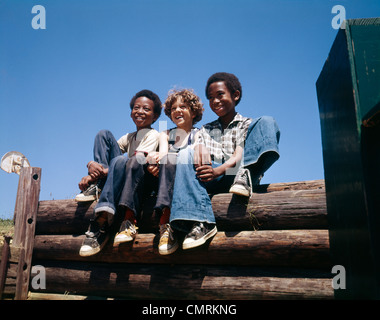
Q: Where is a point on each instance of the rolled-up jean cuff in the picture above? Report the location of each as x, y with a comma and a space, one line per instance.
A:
104, 208
245, 163
185, 225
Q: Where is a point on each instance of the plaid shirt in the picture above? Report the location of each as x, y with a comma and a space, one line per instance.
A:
222, 143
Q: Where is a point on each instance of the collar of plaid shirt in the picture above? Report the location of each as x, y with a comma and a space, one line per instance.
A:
222, 143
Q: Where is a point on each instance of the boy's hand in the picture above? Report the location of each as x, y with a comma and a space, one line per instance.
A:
153, 169
96, 170
152, 159
201, 156
206, 173
85, 182
202, 162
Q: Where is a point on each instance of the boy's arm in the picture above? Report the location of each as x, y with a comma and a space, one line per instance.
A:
201, 153
154, 157
205, 172
163, 144
96, 170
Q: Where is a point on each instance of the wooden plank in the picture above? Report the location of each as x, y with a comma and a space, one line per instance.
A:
10, 280
25, 221
62, 296
297, 248
4, 264
156, 281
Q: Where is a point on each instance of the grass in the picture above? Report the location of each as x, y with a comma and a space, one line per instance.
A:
6, 229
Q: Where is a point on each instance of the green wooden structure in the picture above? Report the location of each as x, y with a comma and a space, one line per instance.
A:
348, 90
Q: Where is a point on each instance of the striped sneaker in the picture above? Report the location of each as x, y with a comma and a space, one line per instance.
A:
96, 236
168, 243
242, 185
199, 234
127, 232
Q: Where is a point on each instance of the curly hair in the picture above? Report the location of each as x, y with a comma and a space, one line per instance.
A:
150, 95
230, 80
189, 98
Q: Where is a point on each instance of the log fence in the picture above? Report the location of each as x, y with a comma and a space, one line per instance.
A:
273, 246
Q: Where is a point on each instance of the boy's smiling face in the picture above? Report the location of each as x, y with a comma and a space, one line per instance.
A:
181, 114
142, 113
222, 102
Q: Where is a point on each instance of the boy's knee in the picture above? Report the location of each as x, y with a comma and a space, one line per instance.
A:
268, 122
104, 133
267, 125
136, 161
267, 119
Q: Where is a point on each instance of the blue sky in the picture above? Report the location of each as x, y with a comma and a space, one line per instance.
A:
59, 86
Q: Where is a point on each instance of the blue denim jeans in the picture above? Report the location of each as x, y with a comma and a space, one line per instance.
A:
190, 196
124, 182
261, 144
107, 152
191, 201
166, 178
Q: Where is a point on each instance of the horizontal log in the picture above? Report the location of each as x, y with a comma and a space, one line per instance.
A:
136, 281
296, 205
287, 248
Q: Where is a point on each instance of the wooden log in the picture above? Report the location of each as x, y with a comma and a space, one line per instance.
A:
141, 281
296, 205
296, 248
25, 221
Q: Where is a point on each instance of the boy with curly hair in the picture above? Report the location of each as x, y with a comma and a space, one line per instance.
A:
185, 109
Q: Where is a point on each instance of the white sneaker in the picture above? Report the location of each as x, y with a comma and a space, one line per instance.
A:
199, 234
242, 185
92, 193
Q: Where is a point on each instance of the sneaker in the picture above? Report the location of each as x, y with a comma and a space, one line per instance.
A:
96, 238
127, 232
92, 193
242, 185
168, 244
198, 235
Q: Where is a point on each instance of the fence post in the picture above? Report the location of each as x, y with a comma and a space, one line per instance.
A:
25, 222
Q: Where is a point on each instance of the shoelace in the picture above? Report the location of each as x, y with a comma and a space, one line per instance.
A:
242, 177
97, 193
245, 178
166, 231
92, 187
130, 227
197, 229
